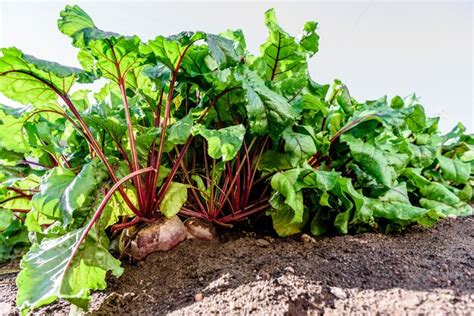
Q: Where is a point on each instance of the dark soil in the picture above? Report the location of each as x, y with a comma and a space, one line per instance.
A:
418, 260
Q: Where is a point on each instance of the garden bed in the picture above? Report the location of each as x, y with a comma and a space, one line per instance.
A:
420, 271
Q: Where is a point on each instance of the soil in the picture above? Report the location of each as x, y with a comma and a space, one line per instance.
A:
422, 271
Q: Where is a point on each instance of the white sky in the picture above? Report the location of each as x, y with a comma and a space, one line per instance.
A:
375, 47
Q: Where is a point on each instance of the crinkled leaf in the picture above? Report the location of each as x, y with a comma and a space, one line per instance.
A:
116, 208
461, 209
179, 132
52, 187
223, 50
174, 199
282, 56
371, 160
168, 50
267, 111
114, 55
79, 194
287, 193
284, 221
310, 39
222, 143
49, 272
299, 147
29, 80
454, 170
320, 179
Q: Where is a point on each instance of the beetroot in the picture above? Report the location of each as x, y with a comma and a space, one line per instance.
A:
200, 229
164, 234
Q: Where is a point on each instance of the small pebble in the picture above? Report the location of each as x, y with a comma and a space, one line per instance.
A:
263, 275
199, 297
262, 243
307, 239
338, 292
269, 238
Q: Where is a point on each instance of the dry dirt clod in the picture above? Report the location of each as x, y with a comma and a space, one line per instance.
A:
263, 275
199, 297
262, 243
289, 270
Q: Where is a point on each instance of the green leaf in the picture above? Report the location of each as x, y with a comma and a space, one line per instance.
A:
179, 132
398, 193
320, 179
310, 39
284, 223
168, 50
343, 98
272, 161
223, 143
74, 20
344, 189
62, 193
394, 210
320, 223
341, 222
80, 193
116, 208
114, 55
49, 272
267, 111
52, 187
288, 193
370, 159
300, 147
461, 209
13, 236
397, 102
438, 192
421, 156
29, 80
223, 50
11, 133
431, 190
6, 218
415, 118
174, 199
282, 57
454, 170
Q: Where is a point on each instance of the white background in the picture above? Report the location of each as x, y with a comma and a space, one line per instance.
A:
375, 47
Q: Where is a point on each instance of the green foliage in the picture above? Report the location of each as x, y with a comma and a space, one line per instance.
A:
50, 271
195, 125
174, 199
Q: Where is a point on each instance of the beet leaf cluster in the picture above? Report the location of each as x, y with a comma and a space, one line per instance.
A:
193, 125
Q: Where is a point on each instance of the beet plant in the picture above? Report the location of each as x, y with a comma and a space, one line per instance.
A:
194, 126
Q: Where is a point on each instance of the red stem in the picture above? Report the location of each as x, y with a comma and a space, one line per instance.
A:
133, 222
20, 210
245, 213
169, 100
131, 136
